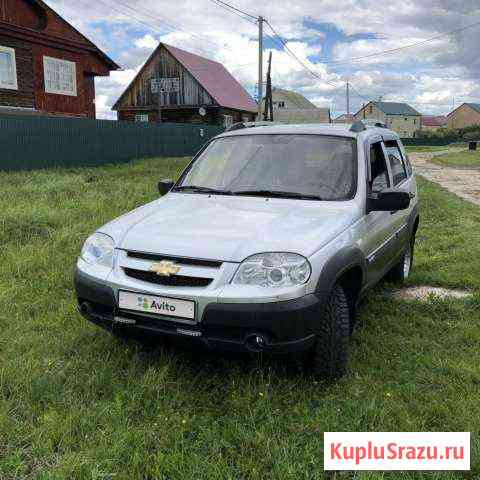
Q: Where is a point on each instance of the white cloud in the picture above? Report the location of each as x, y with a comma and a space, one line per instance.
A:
147, 41
417, 75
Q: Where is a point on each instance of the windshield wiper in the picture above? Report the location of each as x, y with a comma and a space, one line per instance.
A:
278, 194
199, 189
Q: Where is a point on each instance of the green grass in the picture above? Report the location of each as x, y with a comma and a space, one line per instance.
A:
459, 159
75, 403
425, 149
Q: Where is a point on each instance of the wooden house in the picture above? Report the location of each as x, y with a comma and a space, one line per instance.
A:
46, 65
179, 87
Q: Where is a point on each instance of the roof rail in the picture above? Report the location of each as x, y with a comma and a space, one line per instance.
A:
362, 125
358, 127
375, 123
242, 125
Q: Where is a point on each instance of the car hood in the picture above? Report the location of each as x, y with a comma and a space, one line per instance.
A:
230, 228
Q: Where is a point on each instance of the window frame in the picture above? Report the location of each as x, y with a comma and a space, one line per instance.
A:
369, 145
140, 118
405, 162
355, 172
11, 52
228, 120
60, 61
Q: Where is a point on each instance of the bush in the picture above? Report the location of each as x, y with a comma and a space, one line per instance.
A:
472, 136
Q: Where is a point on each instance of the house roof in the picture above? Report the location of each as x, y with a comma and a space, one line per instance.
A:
294, 98
434, 121
473, 106
396, 108
215, 79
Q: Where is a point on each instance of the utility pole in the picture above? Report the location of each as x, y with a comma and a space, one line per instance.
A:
453, 108
268, 112
260, 65
348, 100
364, 112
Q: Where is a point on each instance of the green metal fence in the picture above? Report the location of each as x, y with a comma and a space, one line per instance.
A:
28, 143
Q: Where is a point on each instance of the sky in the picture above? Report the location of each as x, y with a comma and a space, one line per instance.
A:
327, 36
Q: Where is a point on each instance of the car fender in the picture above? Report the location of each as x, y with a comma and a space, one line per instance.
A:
414, 215
338, 264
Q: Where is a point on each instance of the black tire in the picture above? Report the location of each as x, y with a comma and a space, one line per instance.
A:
401, 271
329, 356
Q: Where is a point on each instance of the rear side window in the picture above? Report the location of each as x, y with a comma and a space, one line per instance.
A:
397, 165
378, 168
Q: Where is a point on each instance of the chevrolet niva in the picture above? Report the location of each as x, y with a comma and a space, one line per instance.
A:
266, 243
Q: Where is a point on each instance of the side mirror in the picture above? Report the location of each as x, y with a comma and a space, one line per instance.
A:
389, 200
165, 186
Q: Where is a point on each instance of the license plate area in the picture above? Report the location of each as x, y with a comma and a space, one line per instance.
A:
154, 305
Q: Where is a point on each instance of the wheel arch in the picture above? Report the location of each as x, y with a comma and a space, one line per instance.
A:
348, 268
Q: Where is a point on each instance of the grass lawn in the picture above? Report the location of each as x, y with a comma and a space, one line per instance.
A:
75, 403
425, 149
459, 159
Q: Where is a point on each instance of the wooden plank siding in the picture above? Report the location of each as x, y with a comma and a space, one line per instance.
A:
164, 65
175, 107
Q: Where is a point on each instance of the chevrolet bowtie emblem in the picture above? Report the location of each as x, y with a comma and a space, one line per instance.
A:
165, 268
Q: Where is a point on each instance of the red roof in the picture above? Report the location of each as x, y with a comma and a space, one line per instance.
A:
216, 80
432, 121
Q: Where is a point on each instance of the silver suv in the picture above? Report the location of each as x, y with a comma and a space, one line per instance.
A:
266, 243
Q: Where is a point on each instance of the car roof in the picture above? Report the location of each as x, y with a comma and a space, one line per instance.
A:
332, 129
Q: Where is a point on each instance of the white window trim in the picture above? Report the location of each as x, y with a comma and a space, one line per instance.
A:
142, 117
11, 52
227, 121
72, 93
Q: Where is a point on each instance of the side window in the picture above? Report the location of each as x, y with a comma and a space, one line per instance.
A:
378, 168
399, 172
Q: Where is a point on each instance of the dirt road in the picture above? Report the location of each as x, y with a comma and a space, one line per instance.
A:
461, 181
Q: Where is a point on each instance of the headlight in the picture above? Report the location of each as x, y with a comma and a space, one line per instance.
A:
273, 270
98, 250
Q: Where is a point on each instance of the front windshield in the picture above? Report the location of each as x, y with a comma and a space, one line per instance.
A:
311, 165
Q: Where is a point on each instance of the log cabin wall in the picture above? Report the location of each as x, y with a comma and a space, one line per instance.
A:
24, 97
34, 31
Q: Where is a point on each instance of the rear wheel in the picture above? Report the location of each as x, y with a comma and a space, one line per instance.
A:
401, 271
329, 355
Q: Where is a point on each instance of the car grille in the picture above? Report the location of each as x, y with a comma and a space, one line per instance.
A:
182, 261
171, 281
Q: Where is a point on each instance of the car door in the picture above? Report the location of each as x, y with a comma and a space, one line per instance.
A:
381, 241
402, 179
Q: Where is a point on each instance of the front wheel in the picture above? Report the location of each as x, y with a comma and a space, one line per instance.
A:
401, 271
329, 355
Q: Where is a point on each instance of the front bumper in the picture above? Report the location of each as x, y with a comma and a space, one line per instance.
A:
275, 327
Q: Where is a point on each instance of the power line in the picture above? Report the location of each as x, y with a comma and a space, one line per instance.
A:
395, 50
292, 54
232, 9
153, 16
